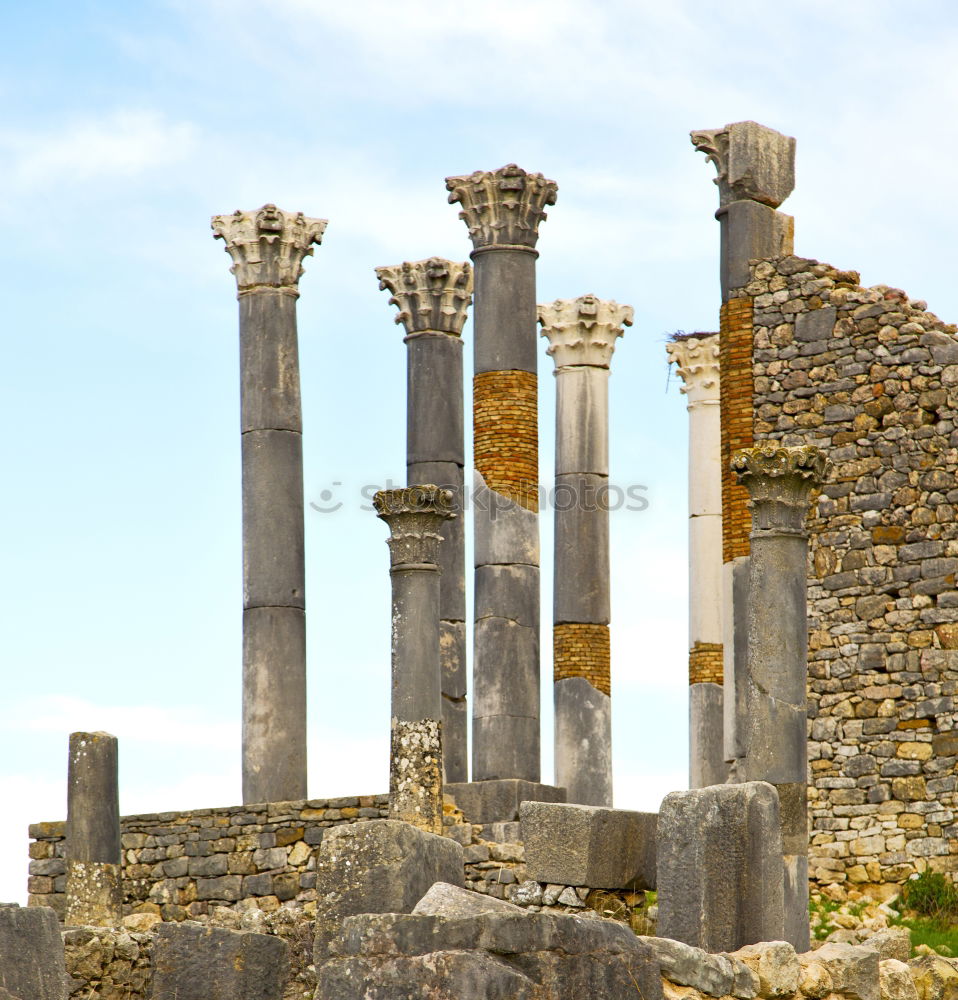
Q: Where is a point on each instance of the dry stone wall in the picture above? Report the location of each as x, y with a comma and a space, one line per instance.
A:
181, 864
871, 377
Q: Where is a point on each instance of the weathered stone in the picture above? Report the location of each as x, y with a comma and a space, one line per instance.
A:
552, 957
688, 966
197, 962
445, 900
891, 943
720, 875
894, 980
380, 866
589, 845
935, 978
31, 953
776, 965
854, 970
495, 801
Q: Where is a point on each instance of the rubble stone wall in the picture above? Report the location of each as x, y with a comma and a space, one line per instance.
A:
180, 864
871, 377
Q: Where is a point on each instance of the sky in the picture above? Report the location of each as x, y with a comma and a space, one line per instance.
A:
124, 127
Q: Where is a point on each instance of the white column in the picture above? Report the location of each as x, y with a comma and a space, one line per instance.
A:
696, 357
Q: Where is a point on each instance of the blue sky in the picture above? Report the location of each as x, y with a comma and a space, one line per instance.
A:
124, 127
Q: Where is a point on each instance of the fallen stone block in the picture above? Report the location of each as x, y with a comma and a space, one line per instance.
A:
934, 977
895, 982
891, 943
853, 968
720, 874
589, 845
380, 866
498, 800
201, 962
445, 900
494, 955
32, 966
716, 975
776, 965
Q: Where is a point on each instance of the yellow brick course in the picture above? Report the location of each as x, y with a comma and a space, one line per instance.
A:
705, 663
736, 398
506, 434
582, 651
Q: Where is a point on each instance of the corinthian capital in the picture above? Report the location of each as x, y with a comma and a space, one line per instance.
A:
780, 482
432, 295
415, 515
502, 207
583, 331
268, 246
696, 358
754, 163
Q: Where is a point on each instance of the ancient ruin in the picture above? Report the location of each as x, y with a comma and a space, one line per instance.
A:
822, 645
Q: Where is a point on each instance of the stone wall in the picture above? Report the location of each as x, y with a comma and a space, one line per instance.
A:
871, 377
180, 864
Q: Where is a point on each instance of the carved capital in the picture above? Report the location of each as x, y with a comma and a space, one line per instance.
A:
754, 163
780, 482
268, 246
432, 295
502, 207
696, 358
415, 516
583, 331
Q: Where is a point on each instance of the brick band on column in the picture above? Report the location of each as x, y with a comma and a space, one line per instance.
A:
737, 388
506, 434
582, 651
705, 663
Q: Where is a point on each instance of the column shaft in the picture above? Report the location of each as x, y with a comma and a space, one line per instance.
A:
432, 296
780, 482
267, 248
582, 334
415, 517
697, 359
93, 891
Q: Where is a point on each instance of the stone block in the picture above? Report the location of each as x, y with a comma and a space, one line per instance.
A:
379, 866
200, 962
589, 845
816, 324
854, 970
498, 800
891, 943
760, 163
707, 764
775, 964
752, 230
488, 957
32, 965
895, 982
583, 741
720, 873
716, 975
445, 900
505, 533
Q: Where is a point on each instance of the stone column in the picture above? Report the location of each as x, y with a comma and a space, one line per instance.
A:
268, 247
432, 296
415, 516
780, 482
582, 334
503, 209
94, 893
756, 173
696, 358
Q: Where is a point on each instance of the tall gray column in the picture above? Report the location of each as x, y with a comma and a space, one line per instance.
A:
696, 357
780, 482
433, 296
756, 173
582, 334
415, 516
503, 209
93, 891
267, 248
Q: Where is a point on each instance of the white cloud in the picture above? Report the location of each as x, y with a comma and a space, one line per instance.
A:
118, 144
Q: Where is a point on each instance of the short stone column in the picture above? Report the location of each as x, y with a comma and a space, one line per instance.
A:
503, 209
696, 357
93, 890
268, 247
415, 516
756, 173
433, 296
582, 334
780, 482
